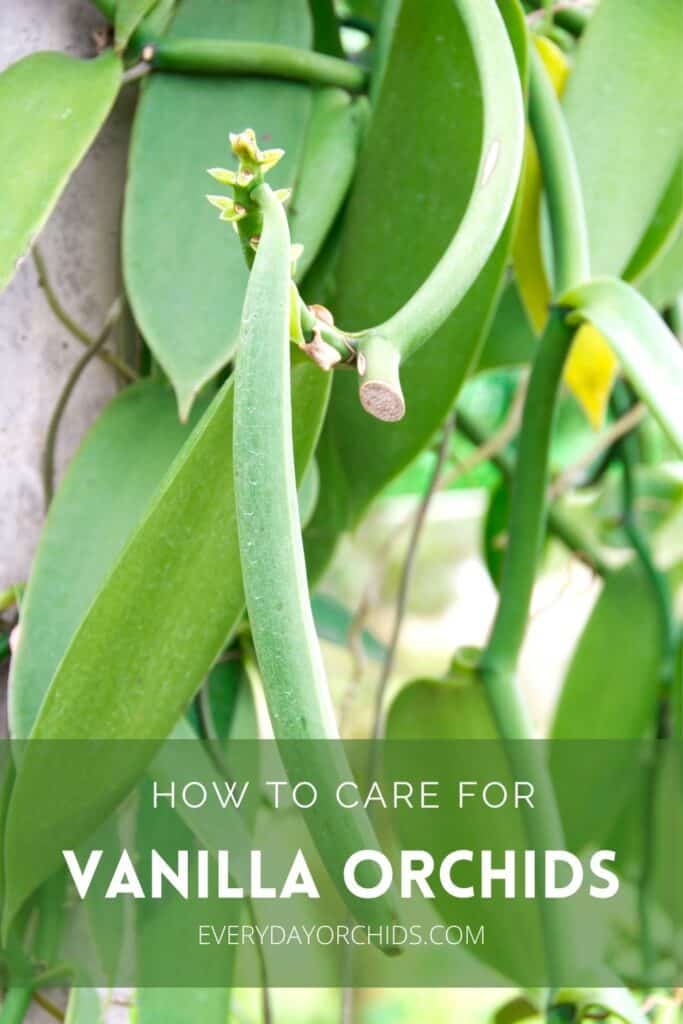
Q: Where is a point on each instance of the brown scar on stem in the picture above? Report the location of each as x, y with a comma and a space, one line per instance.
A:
322, 354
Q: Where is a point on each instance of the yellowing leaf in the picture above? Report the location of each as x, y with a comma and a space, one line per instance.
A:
555, 62
527, 255
590, 372
526, 249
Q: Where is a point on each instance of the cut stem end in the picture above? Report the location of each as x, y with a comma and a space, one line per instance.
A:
382, 401
380, 390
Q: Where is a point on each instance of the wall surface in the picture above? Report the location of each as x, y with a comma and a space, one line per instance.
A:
81, 249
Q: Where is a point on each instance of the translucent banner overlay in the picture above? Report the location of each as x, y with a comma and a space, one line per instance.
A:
416, 864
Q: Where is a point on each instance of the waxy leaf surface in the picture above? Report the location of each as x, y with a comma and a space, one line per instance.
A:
624, 107
184, 269
413, 185
57, 103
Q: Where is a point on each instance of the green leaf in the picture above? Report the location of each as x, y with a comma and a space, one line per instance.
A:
329, 159
53, 106
126, 453
456, 709
333, 623
609, 693
129, 14
84, 1007
167, 831
392, 214
174, 595
184, 273
483, 222
442, 709
664, 281
610, 689
649, 353
511, 340
624, 107
309, 488
661, 232
150, 636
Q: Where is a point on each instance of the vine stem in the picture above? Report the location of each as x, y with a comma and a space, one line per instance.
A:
528, 512
48, 460
75, 329
407, 573
47, 1005
526, 529
669, 631
559, 523
579, 9
227, 57
498, 442
615, 432
561, 180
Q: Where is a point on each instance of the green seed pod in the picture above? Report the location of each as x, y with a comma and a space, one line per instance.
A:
273, 566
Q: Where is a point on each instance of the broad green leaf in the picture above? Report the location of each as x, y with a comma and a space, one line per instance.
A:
167, 831
182, 1005
510, 340
149, 638
184, 272
649, 353
129, 14
609, 693
624, 107
610, 688
456, 709
329, 159
395, 232
661, 231
175, 593
126, 454
664, 281
53, 106
442, 709
84, 1007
